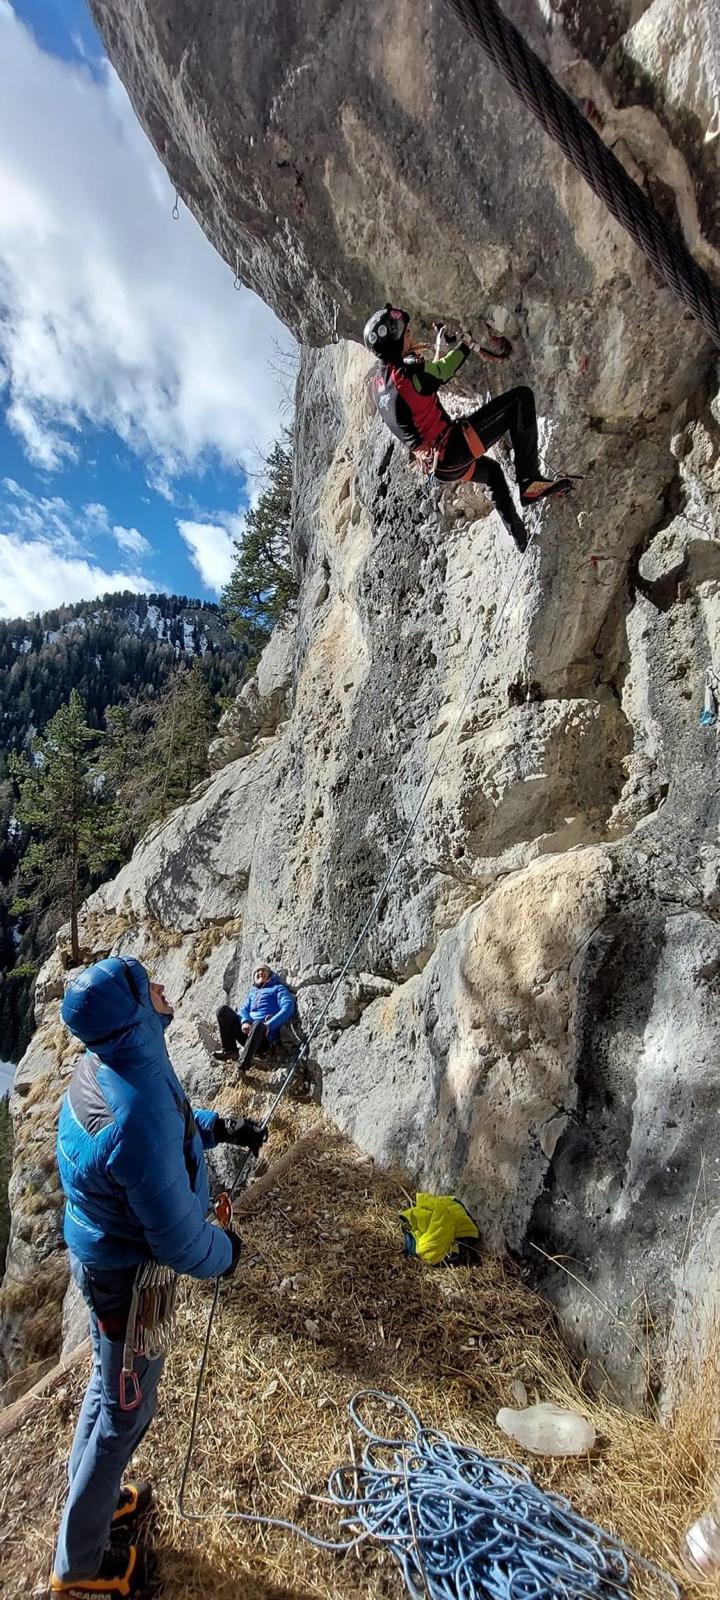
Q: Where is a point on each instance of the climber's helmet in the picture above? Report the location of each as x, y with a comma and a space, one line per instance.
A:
384, 333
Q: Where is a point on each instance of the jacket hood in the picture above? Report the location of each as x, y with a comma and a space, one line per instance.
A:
107, 1000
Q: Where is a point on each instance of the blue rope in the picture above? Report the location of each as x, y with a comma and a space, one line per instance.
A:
462, 1526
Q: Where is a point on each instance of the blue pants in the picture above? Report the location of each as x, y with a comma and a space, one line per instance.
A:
105, 1439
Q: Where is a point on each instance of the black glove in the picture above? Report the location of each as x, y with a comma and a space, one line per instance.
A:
236, 1245
242, 1131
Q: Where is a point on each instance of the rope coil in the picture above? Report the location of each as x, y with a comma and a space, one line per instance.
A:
535, 85
463, 1526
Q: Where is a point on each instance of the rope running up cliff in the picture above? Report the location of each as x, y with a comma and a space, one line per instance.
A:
535, 85
372, 913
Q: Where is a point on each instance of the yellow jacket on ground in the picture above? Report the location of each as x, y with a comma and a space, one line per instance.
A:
434, 1225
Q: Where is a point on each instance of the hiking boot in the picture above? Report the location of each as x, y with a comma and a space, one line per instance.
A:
135, 1499
122, 1574
226, 1055
543, 488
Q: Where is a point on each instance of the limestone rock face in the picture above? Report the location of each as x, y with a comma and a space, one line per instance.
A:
260, 706
532, 1018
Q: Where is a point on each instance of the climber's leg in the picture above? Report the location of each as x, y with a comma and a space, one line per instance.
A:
514, 413
455, 467
256, 1044
230, 1029
493, 478
98, 1468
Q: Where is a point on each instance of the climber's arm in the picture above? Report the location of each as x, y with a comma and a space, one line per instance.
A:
446, 367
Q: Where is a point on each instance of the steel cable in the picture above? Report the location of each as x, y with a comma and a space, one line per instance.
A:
558, 114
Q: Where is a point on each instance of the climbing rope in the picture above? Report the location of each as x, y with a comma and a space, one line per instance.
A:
304, 1050
556, 111
463, 1526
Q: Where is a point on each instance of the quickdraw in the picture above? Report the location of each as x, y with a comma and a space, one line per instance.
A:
150, 1325
711, 700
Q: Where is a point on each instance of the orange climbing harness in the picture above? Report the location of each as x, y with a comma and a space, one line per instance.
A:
476, 448
428, 459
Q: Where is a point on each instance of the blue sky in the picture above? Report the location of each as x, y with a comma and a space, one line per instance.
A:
138, 389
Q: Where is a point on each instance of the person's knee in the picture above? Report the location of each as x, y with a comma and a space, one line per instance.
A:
225, 1014
525, 402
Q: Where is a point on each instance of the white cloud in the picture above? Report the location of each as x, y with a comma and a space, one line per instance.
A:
96, 517
212, 551
113, 314
131, 541
34, 576
49, 515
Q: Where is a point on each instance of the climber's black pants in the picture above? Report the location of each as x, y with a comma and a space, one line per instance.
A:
513, 413
254, 1043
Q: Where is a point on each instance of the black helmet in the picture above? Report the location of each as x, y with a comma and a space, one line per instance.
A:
384, 332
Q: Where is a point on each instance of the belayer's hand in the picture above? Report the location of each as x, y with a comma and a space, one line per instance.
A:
236, 1246
242, 1131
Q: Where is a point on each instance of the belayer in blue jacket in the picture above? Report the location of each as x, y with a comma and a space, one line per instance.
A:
131, 1158
268, 1006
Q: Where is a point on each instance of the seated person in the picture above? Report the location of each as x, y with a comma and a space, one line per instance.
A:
269, 1005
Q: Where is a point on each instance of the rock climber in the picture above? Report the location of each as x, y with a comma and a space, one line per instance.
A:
130, 1153
257, 1025
405, 393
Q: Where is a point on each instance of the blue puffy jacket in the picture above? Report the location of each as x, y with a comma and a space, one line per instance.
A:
273, 1003
130, 1149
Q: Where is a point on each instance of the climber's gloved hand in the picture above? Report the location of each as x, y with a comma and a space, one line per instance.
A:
241, 1131
236, 1247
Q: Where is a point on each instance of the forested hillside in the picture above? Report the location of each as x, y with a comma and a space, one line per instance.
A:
125, 651
107, 649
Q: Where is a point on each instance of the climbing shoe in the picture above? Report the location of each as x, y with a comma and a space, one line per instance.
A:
226, 1055
135, 1499
543, 488
123, 1573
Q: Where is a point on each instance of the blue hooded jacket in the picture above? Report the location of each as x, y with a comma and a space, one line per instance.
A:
130, 1150
273, 1003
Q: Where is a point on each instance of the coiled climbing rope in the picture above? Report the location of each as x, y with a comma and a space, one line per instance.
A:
535, 85
463, 1526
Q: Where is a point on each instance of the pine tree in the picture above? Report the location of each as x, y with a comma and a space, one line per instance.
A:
262, 590
122, 763
181, 735
70, 820
156, 750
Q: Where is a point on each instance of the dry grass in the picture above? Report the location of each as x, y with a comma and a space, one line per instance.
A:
287, 1355
161, 938
207, 940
